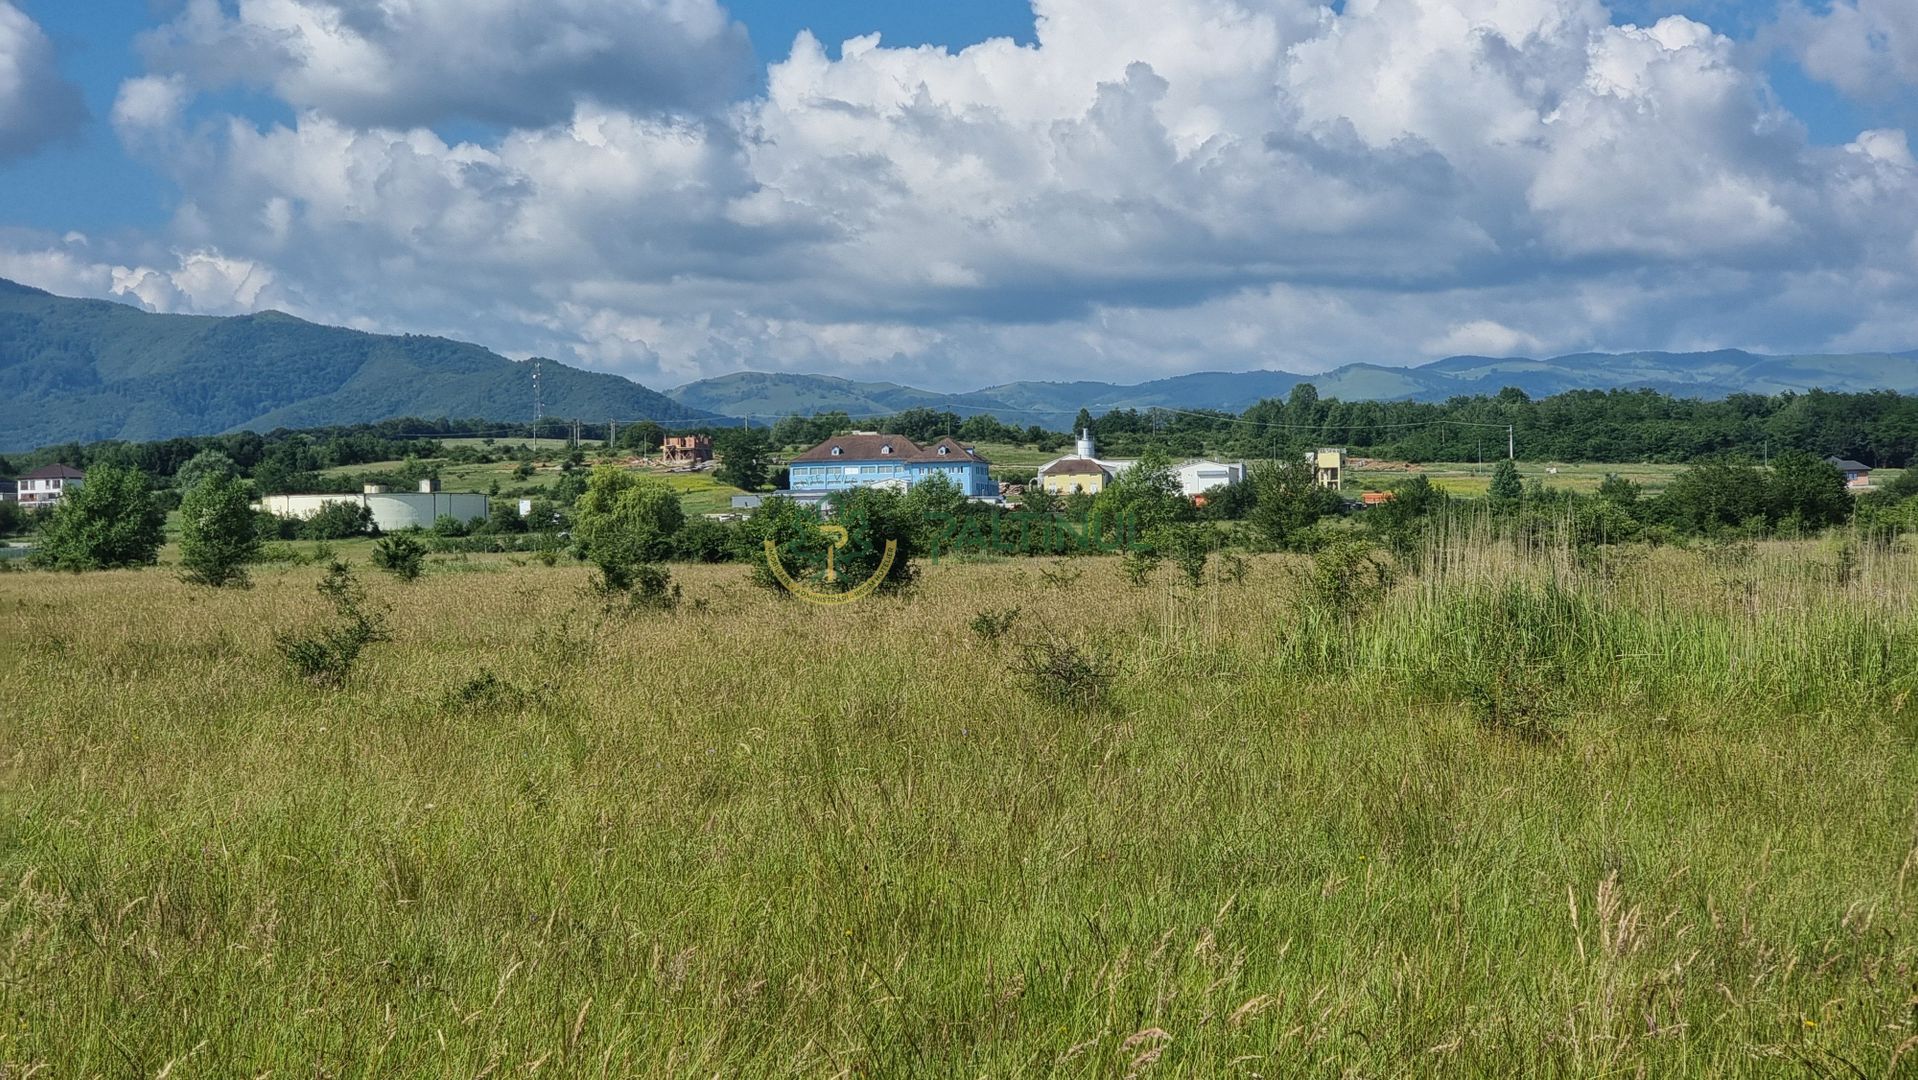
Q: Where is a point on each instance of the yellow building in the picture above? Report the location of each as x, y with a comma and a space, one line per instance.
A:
1070, 474
1328, 468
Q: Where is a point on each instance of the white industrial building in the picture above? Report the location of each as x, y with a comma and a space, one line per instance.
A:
392, 510
1199, 477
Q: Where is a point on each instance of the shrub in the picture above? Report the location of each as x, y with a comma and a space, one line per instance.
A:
487, 692
871, 517
653, 588
1806, 489
642, 586
1286, 501
703, 540
1513, 704
1506, 488
1348, 578
401, 555
1190, 547
1060, 577
1234, 567
338, 520
325, 655
874, 518
625, 519
990, 626
1065, 673
110, 520
217, 532
1138, 564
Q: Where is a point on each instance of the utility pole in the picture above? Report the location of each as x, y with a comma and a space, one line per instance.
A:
612, 434
1511, 444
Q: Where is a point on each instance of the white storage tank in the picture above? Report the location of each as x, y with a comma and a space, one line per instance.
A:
392, 510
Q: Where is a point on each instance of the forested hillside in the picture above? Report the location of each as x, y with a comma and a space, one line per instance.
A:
83, 370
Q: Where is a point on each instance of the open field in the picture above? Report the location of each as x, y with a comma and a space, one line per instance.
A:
1653, 816
699, 492
1472, 479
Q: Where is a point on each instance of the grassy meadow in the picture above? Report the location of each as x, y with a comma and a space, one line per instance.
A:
1525, 814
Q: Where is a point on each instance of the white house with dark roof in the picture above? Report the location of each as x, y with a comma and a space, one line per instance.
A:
44, 486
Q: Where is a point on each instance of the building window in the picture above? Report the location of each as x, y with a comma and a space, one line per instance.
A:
835, 451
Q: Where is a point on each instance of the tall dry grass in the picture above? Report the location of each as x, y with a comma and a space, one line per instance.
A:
1529, 814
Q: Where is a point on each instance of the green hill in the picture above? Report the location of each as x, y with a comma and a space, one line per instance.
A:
1054, 404
81, 370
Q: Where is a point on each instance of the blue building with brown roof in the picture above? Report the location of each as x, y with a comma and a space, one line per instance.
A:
865, 459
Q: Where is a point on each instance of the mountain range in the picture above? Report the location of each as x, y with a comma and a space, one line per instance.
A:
83, 370
1054, 404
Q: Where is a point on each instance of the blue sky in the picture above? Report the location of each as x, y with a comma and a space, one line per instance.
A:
1127, 189
88, 182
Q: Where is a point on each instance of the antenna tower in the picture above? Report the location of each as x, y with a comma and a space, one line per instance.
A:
539, 403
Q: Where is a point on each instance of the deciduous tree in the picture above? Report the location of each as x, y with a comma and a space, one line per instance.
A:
218, 536
109, 520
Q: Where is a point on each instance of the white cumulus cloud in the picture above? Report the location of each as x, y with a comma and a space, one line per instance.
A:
1150, 186
404, 62
1867, 48
37, 103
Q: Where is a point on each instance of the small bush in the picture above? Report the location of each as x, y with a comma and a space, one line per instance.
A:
340, 520
990, 626
641, 586
280, 553
1510, 704
653, 588
1234, 567
1137, 565
1191, 548
1845, 570
487, 692
1060, 577
1065, 673
1349, 578
325, 655
401, 555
